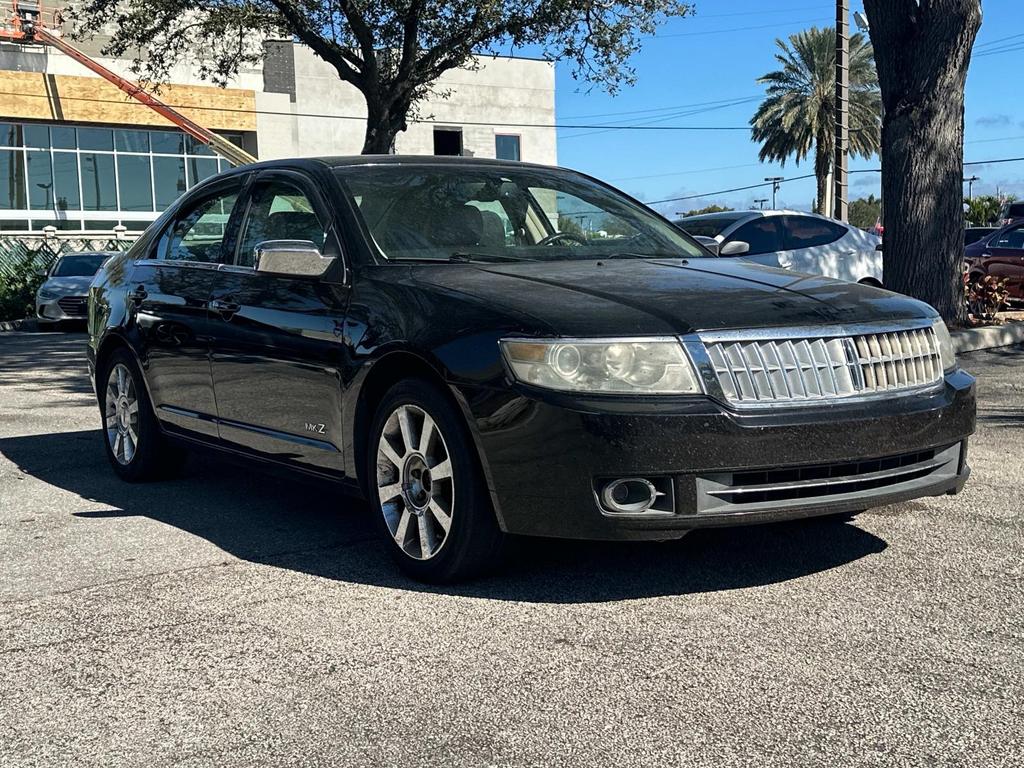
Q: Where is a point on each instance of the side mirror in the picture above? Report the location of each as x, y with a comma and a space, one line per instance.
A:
296, 258
734, 248
708, 242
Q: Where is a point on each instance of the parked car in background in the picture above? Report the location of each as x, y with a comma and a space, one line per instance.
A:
65, 289
803, 242
1012, 212
441, 336
1000, 254
974, 234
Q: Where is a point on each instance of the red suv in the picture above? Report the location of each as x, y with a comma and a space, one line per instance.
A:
1000, 254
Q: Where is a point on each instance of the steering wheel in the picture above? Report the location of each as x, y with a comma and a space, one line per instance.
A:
560, 236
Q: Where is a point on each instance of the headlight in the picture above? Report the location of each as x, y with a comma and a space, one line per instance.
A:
628, 366
947, 353
47, 295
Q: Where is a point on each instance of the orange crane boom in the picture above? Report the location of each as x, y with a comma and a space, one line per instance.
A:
24, 27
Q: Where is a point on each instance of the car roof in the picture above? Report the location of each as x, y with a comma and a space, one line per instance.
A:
753, 213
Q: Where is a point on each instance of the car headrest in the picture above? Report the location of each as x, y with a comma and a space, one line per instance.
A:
460, 226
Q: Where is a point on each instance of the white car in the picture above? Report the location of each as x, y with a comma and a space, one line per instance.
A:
803, 242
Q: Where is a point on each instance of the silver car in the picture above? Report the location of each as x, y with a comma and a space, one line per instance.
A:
64, 293
803, 242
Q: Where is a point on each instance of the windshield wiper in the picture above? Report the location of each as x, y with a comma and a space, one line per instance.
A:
467, 257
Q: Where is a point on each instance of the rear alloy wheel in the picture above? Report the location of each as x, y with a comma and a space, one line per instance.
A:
121, 418
427, 487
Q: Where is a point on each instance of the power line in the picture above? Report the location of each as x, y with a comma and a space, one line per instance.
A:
997, 40
699, 16
660, 109
239, 110
808, 176
662, 118
702, 33
993, 51
685, 173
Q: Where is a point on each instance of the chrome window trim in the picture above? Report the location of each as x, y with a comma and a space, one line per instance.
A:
824, 331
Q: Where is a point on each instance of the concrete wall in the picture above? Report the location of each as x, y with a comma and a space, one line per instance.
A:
328, 115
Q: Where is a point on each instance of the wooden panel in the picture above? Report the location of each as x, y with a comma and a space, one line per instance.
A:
38, 96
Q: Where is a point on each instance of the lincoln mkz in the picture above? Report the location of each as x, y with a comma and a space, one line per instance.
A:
485, 348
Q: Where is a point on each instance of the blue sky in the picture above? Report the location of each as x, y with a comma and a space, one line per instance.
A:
708, 64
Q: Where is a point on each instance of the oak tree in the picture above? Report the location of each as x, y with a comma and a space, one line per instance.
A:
392, 51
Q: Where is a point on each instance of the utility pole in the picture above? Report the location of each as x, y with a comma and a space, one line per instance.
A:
841, 205
760, 201
776, 183
970, 186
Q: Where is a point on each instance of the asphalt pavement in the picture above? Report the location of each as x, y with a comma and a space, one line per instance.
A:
235, 617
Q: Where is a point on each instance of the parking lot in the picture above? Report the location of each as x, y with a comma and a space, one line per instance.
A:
232, 617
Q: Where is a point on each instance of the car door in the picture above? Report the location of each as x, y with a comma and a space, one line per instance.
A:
170, 293
1004, 258
818, 246
764, 236
278, 342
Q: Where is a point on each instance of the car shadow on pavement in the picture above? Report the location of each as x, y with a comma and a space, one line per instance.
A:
274, 519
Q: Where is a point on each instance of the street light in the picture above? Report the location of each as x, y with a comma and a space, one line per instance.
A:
760, 201
970, 186
776, 182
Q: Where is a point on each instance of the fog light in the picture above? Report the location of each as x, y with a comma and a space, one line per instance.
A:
636, 496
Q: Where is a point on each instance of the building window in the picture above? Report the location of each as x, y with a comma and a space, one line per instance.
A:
61, 172
447, 141
506, 147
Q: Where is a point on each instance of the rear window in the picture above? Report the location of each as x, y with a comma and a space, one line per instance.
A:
709, 226
1014, 210
809, 232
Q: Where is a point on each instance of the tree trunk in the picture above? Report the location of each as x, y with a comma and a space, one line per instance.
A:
384, 121
922, 53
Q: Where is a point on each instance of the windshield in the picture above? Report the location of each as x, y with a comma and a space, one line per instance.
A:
709, 226
497, 213
79, 265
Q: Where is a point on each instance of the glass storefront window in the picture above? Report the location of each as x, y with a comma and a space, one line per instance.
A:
10, 135
98, 188
167, 142
37, 136
65, 181
168, 180
12, 179
196, 147
135, 182
200, 169
40, 181
131, 141
96, 138
63, 137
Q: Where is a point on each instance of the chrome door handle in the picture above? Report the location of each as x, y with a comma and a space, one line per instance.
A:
224, 307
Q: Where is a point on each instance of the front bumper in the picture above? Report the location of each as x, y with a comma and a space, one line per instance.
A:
545, 455
62, 308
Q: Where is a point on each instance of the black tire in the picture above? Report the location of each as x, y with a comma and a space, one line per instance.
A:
473, 542
154, 456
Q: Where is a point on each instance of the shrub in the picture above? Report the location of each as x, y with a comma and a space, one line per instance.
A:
985, 295
18, 285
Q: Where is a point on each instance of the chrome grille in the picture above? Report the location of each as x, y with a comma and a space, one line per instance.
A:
785, 369
74, 305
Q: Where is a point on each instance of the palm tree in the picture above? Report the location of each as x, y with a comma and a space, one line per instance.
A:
799, 111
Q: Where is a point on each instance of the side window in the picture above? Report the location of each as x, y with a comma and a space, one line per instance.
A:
1011, 238
808, 232
279, 211
197, 233
763, 234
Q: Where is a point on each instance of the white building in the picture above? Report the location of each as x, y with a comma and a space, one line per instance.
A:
77, 154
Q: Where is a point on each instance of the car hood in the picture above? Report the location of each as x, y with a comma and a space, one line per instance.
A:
68, 286
643, 296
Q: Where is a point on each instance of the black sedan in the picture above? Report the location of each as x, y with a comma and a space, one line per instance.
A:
484, 348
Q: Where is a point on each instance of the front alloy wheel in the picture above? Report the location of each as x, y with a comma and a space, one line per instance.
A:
426, 486
121, 418
414, 482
